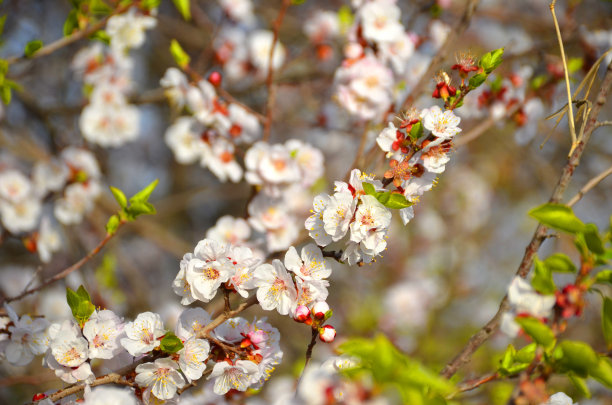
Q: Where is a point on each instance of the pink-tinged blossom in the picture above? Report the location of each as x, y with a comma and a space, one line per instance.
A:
49, 175
78, 200
560, 398
245, 127
236, 376
322, 26
370, 224
192, 358
191, 322
21, 216
386, 139
310, 291
309, 160
14, 186
110, 125
442, 124
240, 11
231, 230
302, 313
259, 45
68, 352
208, 269
81, 161
275, 287
320, 309
143, 333
104, 331
397, 52
220, 160
380, 21
309, 265
243, 262
162, 376
271, 166
232, 331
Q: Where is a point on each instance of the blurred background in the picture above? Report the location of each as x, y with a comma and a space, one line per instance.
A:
442, 276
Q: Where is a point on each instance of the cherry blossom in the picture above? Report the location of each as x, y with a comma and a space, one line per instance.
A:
275, 288
142, 335
162, 376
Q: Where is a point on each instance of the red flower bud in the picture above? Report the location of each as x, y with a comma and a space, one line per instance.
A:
215, 78
327, 333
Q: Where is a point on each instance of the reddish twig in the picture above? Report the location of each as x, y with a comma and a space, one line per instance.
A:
311, 345
64, 273
270, 78
539, 235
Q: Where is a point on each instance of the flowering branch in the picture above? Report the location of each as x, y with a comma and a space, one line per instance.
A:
64, 273
539, 235
63, 42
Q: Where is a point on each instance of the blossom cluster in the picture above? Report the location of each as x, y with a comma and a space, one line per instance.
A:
109, 120
74, 176
212, 130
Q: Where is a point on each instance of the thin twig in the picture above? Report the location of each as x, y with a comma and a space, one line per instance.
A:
603, 124
362, 142
311, 345
570, 113
481, 128
64, 273
539, 235
270, 78
442, 53
475, 383
63, 42
589, 185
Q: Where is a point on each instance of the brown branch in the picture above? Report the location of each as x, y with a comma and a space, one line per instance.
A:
64, 273
539, 235
442, 53
270, 78
225, 316
589, 185
63, 42
475, 383
362, 142
313, 342
481, 128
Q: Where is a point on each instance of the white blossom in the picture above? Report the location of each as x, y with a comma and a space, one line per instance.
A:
104, 331
442, 124
191, 322
192, 358
28, 338
127, 30
107, 395
310, 265
162, 376
142, 335
236, 376
14, 186
275, 287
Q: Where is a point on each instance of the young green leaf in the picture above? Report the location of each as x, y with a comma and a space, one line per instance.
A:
491, 60
180, 56
575, 356
184, 7
542, 279
369, 189
560, 263
602, 372
397, 201
606, 320
477, 80
170, 343
592, 239
558, 216
144, 194
112, 225
80, 304
580, 385
604, 276
539, 332
119, 196
416, 131
32, 47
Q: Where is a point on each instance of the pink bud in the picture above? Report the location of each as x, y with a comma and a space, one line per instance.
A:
320, 309
302, 313
258, 337
215, 78
327, 333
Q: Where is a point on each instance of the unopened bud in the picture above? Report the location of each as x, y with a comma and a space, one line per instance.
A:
320, 309
38, 397
327, 333
215, 78
302, 313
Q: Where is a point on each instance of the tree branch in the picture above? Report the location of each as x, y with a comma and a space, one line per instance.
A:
539, 235
589, 185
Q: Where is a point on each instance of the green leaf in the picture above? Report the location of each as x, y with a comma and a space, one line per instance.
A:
508, 357
99, 7
397, 201
102, 36
329, 314
297, 2
560, 263
369, 189
491, 60
384, 197
558, 216
80, 304
602, 372
542, 280
71, 23
5, 94
2, 21
112, 225
592, 239
119, 196
580, 385
150, 4
345, 17
477, 80
180, 56
606, 320
538, 81
526, 354
170, 343
604, 276
184, 8
140, 208
575, 356
539, 332
416, 131
144, 194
